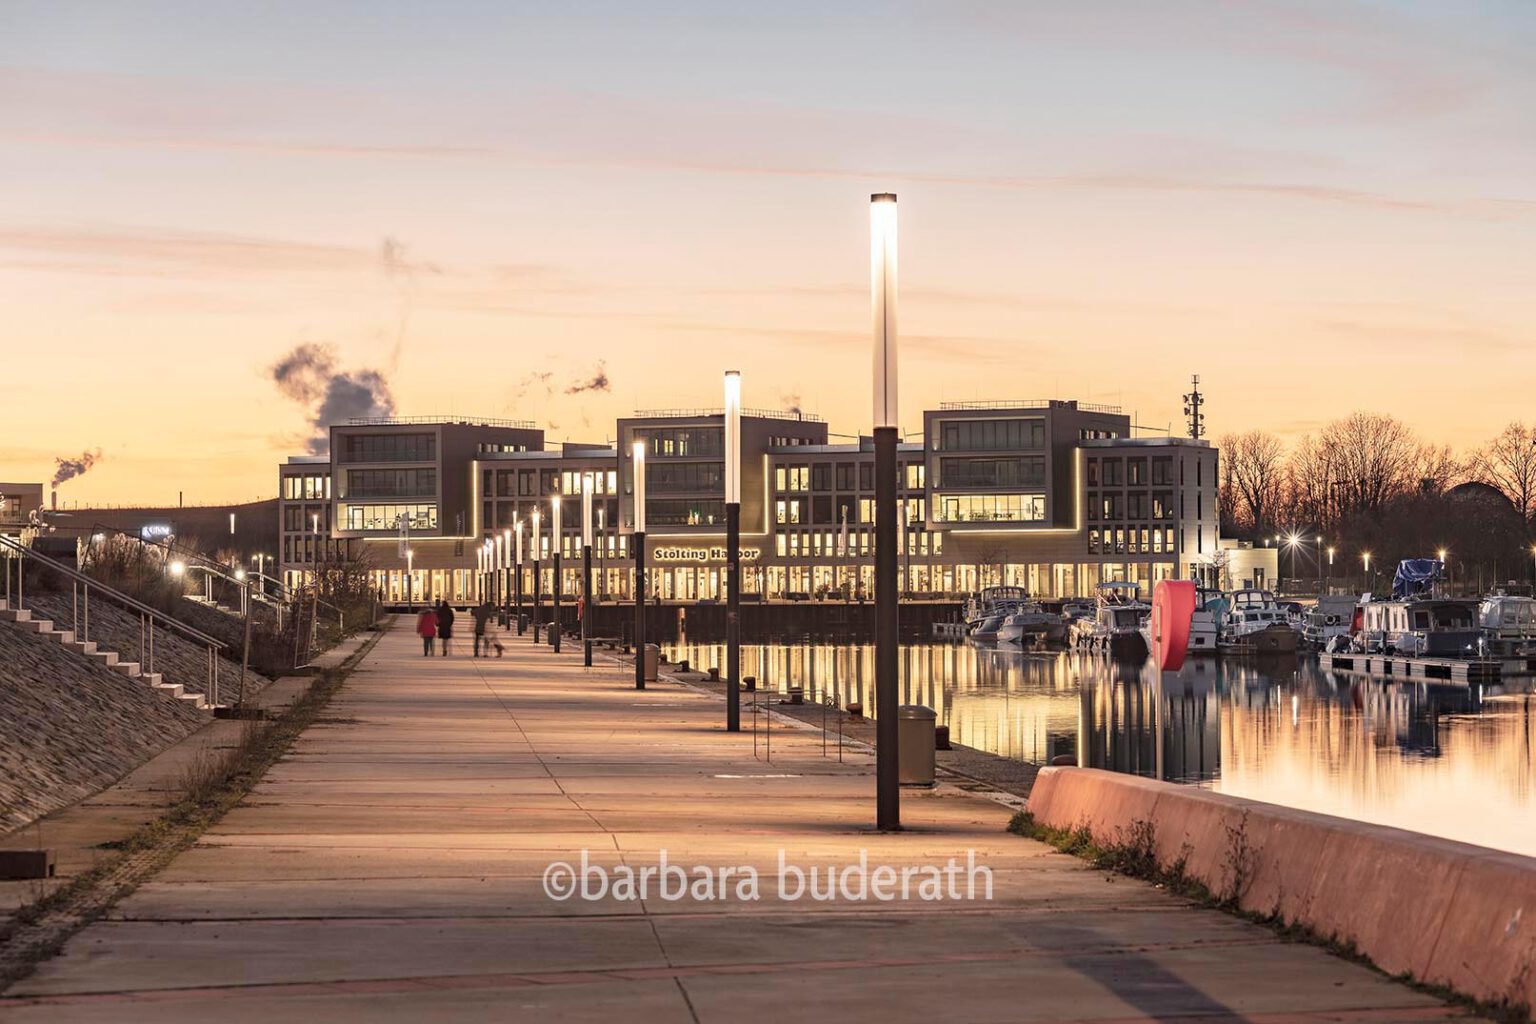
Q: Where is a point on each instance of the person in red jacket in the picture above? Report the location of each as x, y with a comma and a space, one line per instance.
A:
426, 628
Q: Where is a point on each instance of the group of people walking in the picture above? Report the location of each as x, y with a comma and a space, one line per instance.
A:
435, 623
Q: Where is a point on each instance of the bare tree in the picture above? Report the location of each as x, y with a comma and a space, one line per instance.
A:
1374, 458
1508, 462
1439, 469
1256, 462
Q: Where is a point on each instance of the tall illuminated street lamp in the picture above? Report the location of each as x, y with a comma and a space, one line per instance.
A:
637, 541
537, 582
410, 578
882, 222
586, 569
554, 549
517, 574
1329, 573
732, 550
1365, 558
506, 575
1444, 566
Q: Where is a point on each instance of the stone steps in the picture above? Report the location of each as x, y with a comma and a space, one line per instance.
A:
22, 617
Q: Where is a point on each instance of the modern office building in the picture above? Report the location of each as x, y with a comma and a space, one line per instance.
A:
1054, 496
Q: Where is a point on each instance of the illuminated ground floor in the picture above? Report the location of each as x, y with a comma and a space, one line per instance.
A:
810, 581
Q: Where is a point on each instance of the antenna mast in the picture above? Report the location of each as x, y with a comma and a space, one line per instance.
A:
1193, 402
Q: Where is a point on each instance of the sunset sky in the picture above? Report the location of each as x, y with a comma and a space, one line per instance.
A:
1317, 206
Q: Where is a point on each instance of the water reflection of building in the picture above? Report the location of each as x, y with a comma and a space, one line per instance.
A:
1163, 728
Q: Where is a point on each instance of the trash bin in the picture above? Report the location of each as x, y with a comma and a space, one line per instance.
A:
522, 623
915, 729
652, 662
502, 617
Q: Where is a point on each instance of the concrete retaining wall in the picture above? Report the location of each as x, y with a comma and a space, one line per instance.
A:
1448, 913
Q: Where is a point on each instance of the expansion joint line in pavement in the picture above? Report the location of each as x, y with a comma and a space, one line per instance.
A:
29, 939
512, 717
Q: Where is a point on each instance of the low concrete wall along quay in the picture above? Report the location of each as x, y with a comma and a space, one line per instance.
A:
1448, 913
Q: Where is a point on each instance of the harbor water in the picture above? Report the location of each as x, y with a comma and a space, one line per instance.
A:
1453, 761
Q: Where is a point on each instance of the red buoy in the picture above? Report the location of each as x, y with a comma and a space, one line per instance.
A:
1173, 606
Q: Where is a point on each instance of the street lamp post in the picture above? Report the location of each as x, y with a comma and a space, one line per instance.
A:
883, 305
1445, 567
410, 578
517, 575
506, 576
555, 505
496, 567
1370, 586
637, 541
732, 550
538, 583
602, 553
586, 570
1329, 572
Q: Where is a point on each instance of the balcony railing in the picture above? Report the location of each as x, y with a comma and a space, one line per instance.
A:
762, 414
1026, 403
475, 421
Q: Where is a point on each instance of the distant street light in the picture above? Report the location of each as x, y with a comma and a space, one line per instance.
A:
517, 578
637, 540
538, 583
586, 569
882, 223
506, 576
732, 550
554, 547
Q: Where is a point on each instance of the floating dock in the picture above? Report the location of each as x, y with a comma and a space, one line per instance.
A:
1453, 670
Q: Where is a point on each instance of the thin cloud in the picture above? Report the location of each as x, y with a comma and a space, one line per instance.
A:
124, 248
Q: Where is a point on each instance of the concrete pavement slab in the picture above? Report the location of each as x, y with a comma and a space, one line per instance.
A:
393, 866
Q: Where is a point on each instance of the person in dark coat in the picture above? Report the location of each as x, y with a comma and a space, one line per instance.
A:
445, 624
485, 614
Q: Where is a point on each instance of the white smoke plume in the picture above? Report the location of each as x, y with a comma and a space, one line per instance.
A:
308, 377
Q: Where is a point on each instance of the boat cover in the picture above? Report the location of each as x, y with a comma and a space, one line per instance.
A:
1414, 576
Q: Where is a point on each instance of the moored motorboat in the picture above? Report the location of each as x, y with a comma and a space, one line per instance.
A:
1116, 626
1256, 624
1029, 623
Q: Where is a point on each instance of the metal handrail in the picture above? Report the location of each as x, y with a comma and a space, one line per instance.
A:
199, 560
14, 550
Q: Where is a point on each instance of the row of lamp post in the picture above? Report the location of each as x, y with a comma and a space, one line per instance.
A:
883, 308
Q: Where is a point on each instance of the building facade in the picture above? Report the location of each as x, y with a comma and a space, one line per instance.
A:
1053, 496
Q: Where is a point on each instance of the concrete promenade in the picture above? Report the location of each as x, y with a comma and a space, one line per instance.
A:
391, 869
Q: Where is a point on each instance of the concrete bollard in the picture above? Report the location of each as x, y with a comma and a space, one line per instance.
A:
941, 738
749, 682
714, 673
856, 709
